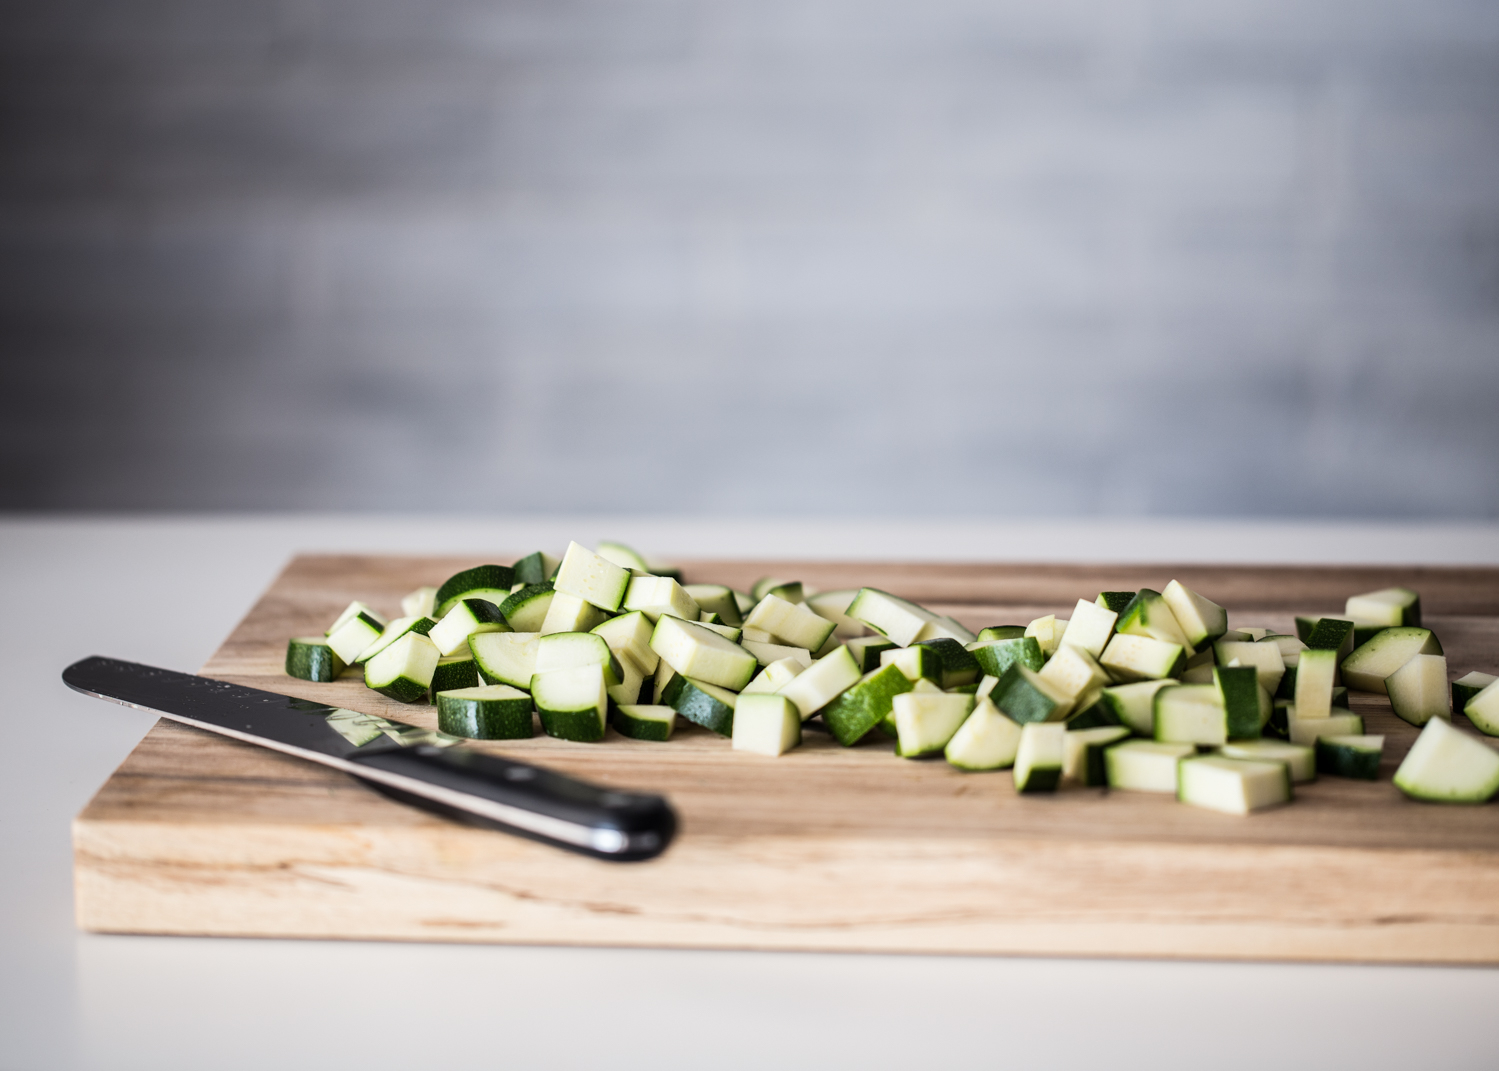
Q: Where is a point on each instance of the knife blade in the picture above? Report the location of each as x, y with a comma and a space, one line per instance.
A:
418, 766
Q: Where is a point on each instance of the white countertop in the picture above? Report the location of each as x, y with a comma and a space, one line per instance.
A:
167, 590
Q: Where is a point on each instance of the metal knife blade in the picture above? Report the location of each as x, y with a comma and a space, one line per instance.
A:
417, 766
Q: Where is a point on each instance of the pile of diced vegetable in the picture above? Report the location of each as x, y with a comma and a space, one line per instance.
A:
1141, 690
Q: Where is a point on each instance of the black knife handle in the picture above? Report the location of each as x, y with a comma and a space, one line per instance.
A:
526, 800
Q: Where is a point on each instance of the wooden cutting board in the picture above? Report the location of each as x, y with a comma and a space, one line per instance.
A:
827, 848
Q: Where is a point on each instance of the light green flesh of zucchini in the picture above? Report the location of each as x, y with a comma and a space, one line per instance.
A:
1232, 786
1418, 690
645, 722
1446, 765
766, 725
1040, 757
1367, 667
987, 740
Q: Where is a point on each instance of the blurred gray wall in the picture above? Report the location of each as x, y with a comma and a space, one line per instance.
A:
957, 256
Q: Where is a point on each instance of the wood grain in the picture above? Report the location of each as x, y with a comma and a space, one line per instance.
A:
827, 848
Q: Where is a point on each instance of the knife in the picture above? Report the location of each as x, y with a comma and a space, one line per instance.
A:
414, 765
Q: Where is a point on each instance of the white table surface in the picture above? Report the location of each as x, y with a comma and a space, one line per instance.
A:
167, 590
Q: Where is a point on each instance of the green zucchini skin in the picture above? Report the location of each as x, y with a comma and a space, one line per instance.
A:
309, 658
485, 719
996, 658
579, 725
689, 699
448, 676
640, 728
862, 707
405, 690
1347, 762
483, 581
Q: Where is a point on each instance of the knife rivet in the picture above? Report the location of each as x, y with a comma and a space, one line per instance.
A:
519, 773
614, 799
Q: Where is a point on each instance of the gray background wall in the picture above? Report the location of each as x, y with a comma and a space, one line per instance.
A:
956, 256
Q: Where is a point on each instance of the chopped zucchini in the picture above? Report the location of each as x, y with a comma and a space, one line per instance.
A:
1134, 704
859, 709
1368, 666
790, 590
1135, 658
535, 568
894, 618
834, 605
586, 576
622, 556
1145, 765
1084, 749
926, 721
1024, 697
630, 634
490, 712
1191, 714
866, 651
698, 652
420, 603
1115, 600
1446, 765
957, 666
917, 662
766, 653
353, 610
824, 681
1387, 607
506, 657
999, 632
1039, 758
766, 725
1418, 689
717, 599
454, 672
1300, 761
773, 677
354, 635
394, 631
657, 595
1246, 706
987, 740
526, 608
1232, 786
1073, 673
1149, 615
1483, 709
1350, 756
572, 703
1263, 656
467, 617
1469, 685
1199, 620
403, 670
702, 703
566, 650
311, 658
1090, 628
569, 613
492, 583
789, 623
644, 722
996, 656
1315, 675
1048, 632
1305, 731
